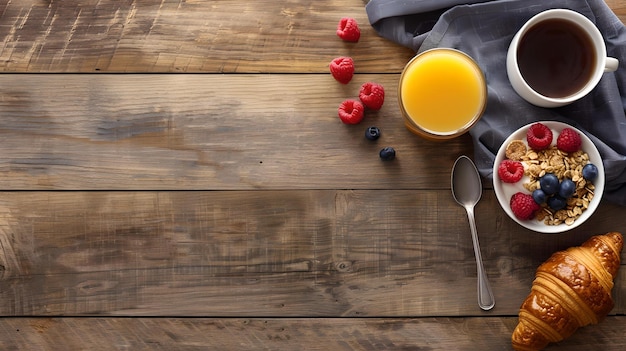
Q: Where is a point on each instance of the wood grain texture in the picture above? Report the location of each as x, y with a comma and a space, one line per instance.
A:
190, 36
228, 208
267, 253
319, 334
186, 36
173, 132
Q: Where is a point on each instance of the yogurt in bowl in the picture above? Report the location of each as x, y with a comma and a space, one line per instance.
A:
579, 207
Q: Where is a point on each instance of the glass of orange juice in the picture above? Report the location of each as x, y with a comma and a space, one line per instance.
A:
442, 93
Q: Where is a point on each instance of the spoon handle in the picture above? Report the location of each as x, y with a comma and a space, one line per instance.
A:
485, 295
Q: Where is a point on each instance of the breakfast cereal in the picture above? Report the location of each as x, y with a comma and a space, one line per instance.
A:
563, 165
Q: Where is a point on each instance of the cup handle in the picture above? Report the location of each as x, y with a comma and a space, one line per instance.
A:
611, 64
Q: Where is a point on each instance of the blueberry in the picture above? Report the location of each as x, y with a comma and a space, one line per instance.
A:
567, 188
556, 202
387, 153
539, 196
590, 171
372, 133
549, 184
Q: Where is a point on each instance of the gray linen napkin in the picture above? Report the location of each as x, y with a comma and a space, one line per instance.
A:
484, 29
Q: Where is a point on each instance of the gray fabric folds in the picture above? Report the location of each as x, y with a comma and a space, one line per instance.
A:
484, 29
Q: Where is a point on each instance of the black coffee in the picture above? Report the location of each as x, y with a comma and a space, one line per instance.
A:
556, 57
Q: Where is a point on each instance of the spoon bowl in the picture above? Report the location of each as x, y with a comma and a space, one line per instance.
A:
467, 190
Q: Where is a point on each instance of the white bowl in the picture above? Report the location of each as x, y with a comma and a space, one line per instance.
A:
504, 191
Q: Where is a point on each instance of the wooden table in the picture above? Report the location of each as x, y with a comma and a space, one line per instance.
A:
225, 206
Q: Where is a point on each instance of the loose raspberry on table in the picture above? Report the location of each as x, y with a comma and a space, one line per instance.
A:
569, 140
348, 29
342, 69
524, 206
351, 111
372, 95
539, 136
510, 171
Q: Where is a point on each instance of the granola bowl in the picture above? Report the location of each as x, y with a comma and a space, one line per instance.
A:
588, 193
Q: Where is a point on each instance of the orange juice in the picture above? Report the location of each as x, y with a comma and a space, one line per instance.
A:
442, 93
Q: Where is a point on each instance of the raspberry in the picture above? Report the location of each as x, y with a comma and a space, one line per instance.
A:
351, 112
524, 206
539, 136
372, 95
342, 69
510, 171
348, 30
569, 140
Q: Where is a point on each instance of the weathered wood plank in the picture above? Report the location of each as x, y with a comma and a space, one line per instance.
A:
190, 36
267, 253
187, 132
186, 36
369, 252
186, 334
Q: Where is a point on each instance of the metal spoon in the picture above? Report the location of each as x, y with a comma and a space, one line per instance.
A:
467, 189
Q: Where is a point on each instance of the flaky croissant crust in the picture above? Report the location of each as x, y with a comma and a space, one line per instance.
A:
571, 289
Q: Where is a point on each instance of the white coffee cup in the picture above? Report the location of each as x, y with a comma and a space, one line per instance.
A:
548, 72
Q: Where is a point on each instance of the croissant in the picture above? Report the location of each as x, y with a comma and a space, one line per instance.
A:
571, 289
